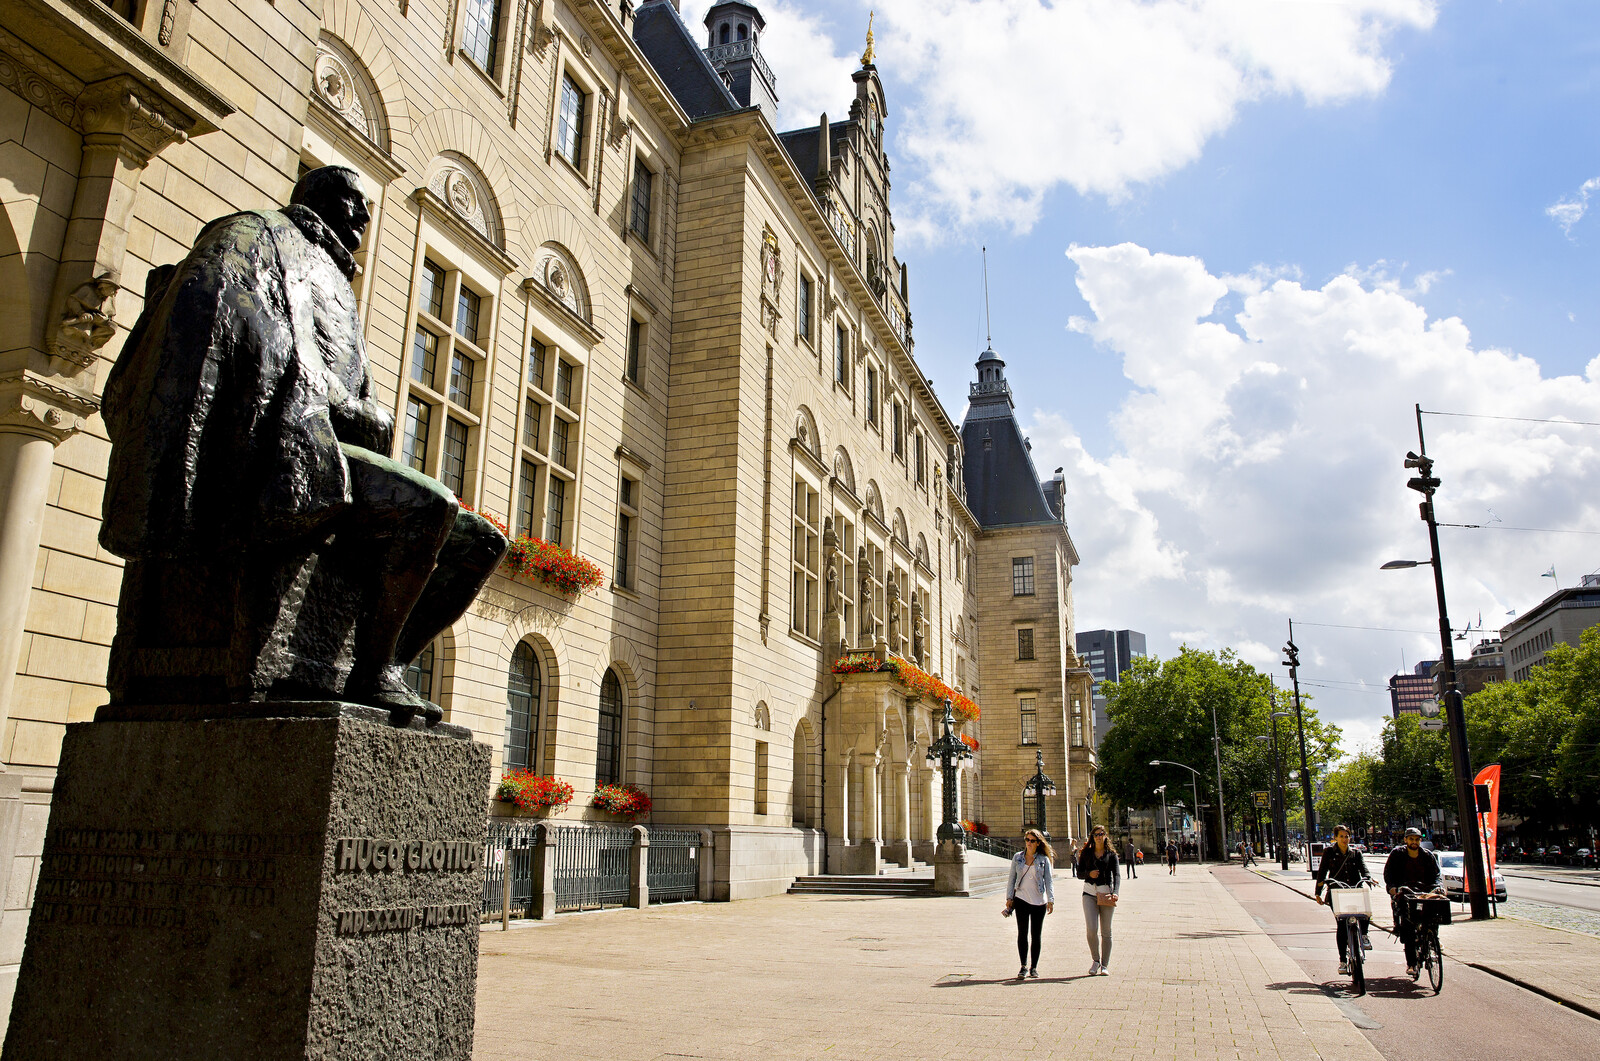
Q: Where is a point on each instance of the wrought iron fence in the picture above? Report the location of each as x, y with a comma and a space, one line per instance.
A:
673, 872
591, 867
509, 849
999, 846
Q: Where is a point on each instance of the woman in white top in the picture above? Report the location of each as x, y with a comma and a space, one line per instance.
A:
1030, 895
1102, 883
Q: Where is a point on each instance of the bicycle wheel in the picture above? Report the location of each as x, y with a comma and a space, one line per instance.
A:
1435, 961
1358, 972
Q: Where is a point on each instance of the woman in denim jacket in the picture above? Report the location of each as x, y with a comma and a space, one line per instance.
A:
1030, 895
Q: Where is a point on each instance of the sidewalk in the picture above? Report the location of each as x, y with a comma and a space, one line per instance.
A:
1561, 965
792, 977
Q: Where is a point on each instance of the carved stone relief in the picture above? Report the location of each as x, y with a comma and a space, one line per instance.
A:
461, 191
561, 279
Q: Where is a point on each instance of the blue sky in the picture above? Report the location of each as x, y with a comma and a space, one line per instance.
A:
1230, 243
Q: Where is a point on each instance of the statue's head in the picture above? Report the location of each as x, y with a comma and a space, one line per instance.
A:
334, 194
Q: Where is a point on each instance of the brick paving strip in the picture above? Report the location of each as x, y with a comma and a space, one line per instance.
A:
1562, 965
1193, 976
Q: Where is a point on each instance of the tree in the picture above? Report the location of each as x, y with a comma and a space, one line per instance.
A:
1349, 795
1163, 710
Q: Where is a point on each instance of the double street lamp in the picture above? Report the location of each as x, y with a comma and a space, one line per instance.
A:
1039, 786
1194, 781
1455, 716
949, 751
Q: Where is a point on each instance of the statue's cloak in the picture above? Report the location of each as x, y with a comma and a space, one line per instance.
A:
218, 408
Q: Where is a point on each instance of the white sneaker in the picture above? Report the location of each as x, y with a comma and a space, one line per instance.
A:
1105, 970
1344, 968
1094, 968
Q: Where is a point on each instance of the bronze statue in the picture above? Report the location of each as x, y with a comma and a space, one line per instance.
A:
275, 553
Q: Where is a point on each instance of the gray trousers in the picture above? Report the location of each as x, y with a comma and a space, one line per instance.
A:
1097, 923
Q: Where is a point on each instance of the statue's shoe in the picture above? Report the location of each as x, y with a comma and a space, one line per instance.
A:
390, 692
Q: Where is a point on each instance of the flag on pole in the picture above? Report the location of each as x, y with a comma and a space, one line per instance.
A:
1550, 573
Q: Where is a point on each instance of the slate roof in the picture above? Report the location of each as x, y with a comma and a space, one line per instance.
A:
1003, 489
659, 32
802, 145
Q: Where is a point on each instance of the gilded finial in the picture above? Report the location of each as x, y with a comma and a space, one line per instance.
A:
868, 55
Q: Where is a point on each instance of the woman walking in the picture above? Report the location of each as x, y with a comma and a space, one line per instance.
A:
1102, 883
1030, 895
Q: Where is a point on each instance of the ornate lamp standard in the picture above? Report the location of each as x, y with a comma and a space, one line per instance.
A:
949, 752
1039, 786
1194, 782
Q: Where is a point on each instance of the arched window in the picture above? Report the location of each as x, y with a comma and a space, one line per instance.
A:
419, 676
797, 797
522, 702
744, 31
724, 39
608, 750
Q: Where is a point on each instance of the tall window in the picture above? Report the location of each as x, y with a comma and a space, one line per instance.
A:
841, 356
527, 492
548, 443
569, 124
463, 367
480, 24
797, 779
1029, 710
627, 530
803, 307
1025, 643
560, 433
1022, 576
453, 463
564, 372
1077, 722
419, 676
536, 363
643, 185
608, 749
807, 557
555, 512
430, 295
635, 349
847, 589
468, 305
414, 444
424, 356
921, 461
762, 749
522, 704
899, 433
532, 423
872, 393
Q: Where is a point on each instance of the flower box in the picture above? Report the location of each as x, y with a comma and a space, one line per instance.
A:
558, 567
625, 801
912, 677
528, 791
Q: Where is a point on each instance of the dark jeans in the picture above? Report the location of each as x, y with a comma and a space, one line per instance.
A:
1406, 929
1338, 933
1029, 918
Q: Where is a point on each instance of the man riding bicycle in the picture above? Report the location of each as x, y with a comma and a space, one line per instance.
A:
1409, 867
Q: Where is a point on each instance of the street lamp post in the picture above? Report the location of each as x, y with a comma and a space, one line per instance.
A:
1280, 824
1040, 786
1293, 663
1455, 715
1166, 823
1194, 781
949, 751
1216, 747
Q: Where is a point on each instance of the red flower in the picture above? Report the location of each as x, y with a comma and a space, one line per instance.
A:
531, 792
627, 801
912, 677
555, 565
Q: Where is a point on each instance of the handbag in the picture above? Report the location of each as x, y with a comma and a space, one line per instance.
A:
1104, 896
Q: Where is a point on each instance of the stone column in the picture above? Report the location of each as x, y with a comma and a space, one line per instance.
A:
901, 782
542, 903
871, 802
25, 462
639, 869
708, 867
927, 816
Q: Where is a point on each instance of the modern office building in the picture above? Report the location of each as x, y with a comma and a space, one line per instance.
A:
1109, 654
1558, 619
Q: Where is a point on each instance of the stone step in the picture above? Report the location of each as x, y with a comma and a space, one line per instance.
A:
901, 885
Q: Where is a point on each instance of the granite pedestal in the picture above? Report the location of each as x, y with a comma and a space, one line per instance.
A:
257, 889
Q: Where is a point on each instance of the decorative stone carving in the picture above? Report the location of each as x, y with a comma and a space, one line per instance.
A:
340, 87
34, 404
561, 279
86, 324
830, 549
27, 72
916, 630
892, 607
586, 45
114, 108
459, 190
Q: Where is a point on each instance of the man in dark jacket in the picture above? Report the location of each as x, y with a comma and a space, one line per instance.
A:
1128, 858
1409, 867
1343, 865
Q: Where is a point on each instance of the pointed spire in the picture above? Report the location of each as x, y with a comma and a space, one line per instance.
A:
869, 55
824, 154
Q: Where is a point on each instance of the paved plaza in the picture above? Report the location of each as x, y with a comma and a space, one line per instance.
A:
1193, 976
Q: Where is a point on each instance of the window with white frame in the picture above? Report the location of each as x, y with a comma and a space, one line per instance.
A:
546, 468
480, 32
627, 532
450, 337
644, 180
1028, 708
802, 315
846, 531
570, 118
1077, 722
1022, 576
806, 550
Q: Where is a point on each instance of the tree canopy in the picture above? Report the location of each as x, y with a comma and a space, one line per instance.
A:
1163, 710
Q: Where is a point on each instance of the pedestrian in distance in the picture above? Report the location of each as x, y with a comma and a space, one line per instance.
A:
1102, 884
1172, 858
1342, 864
1130, 856
1245, 857
1029, 896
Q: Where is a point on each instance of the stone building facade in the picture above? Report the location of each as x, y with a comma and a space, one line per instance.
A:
609, 303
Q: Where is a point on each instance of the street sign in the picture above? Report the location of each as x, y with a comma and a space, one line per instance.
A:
1264, 800
1432, 725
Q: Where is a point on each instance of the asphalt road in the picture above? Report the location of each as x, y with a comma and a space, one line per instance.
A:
1548, 890
1476, 1017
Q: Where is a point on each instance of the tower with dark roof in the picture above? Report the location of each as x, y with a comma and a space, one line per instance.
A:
733, 46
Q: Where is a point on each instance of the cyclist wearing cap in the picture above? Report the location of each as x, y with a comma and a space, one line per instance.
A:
1409, 867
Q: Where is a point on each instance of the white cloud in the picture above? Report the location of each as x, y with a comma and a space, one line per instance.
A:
1568, 211
1014, 98
812, 75
1257, 474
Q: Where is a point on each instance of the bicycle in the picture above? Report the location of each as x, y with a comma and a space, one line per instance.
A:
1426, 913
1351, 903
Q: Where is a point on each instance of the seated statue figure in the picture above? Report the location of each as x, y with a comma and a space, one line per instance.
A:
275, 553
